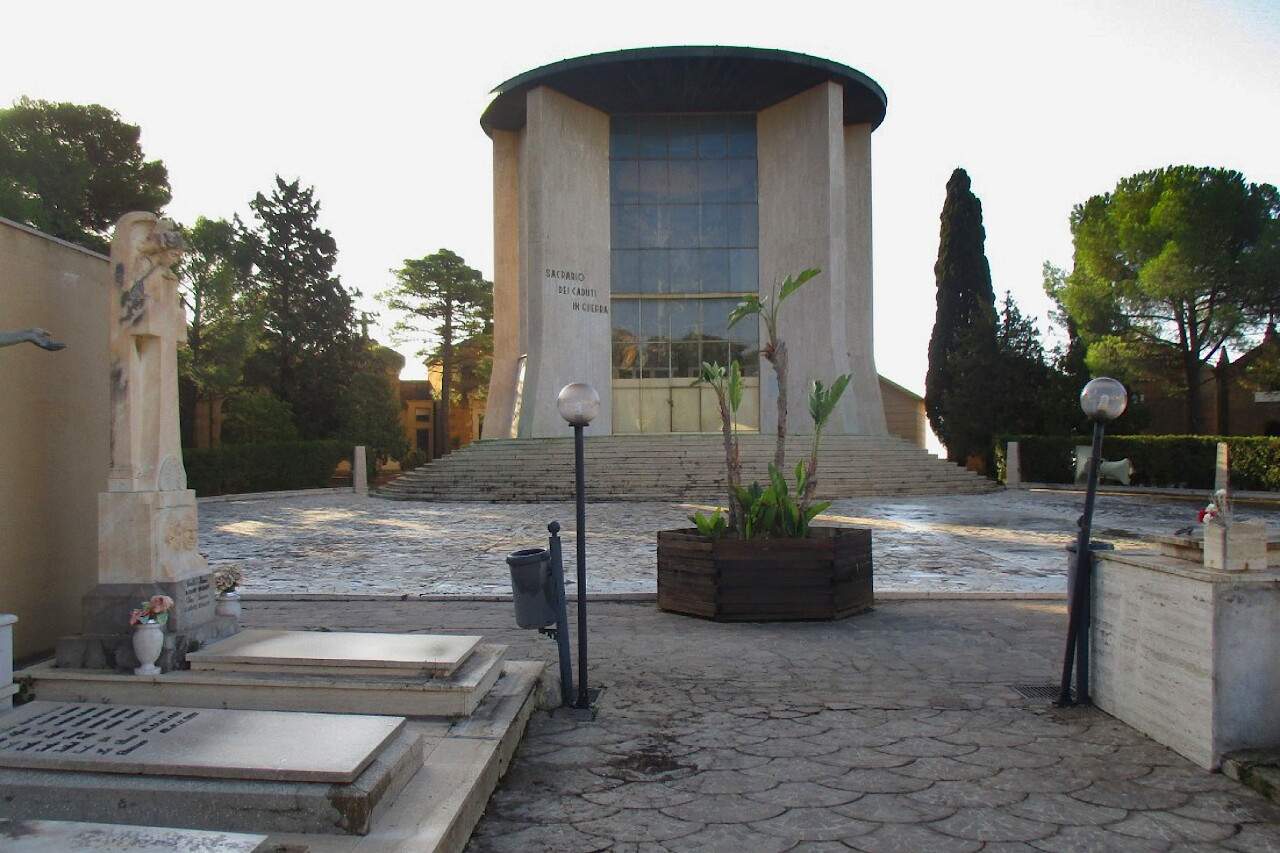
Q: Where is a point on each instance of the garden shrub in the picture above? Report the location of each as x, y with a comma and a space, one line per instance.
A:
277, 466
1166, 461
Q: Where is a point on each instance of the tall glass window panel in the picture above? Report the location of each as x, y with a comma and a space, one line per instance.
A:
626, 277
685, 237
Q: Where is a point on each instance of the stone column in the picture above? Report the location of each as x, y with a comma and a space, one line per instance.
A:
359, 472
815, 211
1013, 466
147, 522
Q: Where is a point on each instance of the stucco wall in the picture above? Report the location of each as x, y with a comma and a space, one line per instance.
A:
866, 411
903, 412
552, 190
511, 329
809, 167
55, 426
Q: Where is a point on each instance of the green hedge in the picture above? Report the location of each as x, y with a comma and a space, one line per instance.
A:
283, 466
1167, 461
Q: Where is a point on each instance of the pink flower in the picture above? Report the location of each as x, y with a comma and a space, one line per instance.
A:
136, 617
160, 603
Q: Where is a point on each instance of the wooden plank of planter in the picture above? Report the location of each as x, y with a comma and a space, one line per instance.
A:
828, 576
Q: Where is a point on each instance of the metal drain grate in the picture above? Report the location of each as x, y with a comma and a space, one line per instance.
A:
1046, 692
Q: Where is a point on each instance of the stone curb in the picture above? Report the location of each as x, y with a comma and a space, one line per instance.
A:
902, 595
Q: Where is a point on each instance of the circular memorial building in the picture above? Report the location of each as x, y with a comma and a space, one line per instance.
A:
639, 195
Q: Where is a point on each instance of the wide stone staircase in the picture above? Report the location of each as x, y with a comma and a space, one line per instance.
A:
674, 467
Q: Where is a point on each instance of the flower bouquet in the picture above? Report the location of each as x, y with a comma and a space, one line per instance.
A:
227, 578
155, 609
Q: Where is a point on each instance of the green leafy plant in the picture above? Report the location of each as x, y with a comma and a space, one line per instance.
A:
712, 526
776, 348
822, 402
727, 385
771, 511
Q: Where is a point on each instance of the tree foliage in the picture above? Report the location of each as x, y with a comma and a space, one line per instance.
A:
224, 318
441, 296
71, 171
309, 342
370, 412
258, 417
1033, 395
1169, 267
962, 350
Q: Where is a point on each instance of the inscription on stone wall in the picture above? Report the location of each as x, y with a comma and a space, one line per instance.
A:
197, 592
108, 730
571, 284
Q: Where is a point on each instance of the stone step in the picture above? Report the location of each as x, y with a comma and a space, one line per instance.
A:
433, 811
673, 468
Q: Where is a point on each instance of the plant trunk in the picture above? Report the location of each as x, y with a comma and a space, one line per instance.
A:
779, 361
1222, 377
810, 474
732, 465
446, 376
1191, 370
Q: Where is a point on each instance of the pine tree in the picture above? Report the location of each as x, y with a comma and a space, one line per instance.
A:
71, 171
963, 358
454, 301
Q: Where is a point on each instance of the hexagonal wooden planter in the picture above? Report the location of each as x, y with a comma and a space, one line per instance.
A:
826, 576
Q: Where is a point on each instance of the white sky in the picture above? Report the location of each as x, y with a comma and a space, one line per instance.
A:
1043, 102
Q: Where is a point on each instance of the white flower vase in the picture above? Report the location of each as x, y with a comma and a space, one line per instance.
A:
148, 641
228, 603
1238, 546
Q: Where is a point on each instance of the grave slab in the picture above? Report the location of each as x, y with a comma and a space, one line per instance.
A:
337, 653
56, 836
236, 805
206, 743
271, 690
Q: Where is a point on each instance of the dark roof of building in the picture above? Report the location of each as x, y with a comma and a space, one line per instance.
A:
687, 80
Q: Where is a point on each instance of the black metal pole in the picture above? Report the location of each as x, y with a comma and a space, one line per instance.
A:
581, 489
1078, 596
562, 618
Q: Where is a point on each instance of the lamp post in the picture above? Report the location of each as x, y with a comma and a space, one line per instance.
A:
578, 403
1103, 400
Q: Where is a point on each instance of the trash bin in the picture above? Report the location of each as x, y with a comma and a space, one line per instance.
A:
532, 588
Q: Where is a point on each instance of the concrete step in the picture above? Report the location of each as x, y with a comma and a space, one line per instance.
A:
673, 468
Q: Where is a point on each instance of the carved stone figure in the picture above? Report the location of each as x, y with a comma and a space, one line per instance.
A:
146, 323
39, 337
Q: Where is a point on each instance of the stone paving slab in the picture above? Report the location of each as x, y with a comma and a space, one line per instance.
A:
897, 730
344, 544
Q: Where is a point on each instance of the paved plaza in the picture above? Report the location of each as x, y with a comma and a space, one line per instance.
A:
337, 543
898, 730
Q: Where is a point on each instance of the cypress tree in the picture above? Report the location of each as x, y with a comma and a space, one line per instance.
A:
309, 339
963, 357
